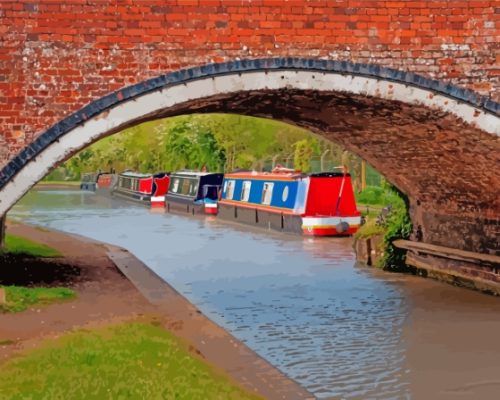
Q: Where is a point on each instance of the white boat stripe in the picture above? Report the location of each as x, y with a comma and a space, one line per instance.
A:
315, 221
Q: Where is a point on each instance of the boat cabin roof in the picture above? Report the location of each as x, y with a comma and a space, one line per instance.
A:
130, 174
275, 175
281, 173
330, 174
193, 174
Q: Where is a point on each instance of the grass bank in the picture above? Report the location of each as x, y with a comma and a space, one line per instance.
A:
21, 298
19, 246
134, 360
58, 183
369, 228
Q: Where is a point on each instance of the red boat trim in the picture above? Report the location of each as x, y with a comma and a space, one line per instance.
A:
328, 231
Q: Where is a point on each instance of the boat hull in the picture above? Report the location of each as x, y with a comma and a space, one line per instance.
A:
261, 218
88, 186
132, 196
309, 226
183, 206
330, 226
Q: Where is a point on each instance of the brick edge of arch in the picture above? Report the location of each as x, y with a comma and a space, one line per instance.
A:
184, 76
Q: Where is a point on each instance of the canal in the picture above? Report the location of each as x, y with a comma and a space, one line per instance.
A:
340, 329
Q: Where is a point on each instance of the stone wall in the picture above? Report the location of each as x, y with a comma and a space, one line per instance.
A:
473, 233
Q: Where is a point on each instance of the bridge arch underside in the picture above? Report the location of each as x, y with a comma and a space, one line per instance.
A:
448, 168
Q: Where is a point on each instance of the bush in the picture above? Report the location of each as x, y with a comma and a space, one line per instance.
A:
393, 221
397, 225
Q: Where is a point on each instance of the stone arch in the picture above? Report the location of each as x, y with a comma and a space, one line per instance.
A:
443, 133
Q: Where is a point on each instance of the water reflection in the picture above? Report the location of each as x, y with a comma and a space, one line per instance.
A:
339, 329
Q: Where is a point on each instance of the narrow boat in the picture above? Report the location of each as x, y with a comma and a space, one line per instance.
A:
106, 181
320, 204
88, 181
144, 188
193, 192
96, 180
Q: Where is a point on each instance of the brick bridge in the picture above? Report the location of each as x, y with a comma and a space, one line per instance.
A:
411, 86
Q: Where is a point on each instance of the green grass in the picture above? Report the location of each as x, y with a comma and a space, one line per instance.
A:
369, 211
17, 245
20, 298
374, 195
369, 229
126, 361
67, 183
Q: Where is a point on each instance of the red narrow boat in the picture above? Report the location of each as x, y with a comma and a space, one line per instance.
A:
146, 188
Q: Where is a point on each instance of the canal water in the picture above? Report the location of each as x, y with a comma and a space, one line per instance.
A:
340, 329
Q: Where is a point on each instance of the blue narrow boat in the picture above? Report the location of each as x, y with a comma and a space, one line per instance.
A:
193, 192
319, 204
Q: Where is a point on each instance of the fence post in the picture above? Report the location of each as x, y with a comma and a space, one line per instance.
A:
322, 162
274, 162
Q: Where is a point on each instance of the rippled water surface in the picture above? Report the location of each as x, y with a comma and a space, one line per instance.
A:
339, 329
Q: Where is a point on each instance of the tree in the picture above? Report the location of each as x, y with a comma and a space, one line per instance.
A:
304, 150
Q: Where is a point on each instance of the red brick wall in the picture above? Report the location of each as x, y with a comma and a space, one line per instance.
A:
58, 55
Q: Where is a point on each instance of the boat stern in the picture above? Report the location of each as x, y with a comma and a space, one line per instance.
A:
158, 201
211, 207
330, 226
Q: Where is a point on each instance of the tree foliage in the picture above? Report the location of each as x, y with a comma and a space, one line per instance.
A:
303, 152
221, 142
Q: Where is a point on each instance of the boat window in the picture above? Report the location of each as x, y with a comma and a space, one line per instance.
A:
245, 192
193, 187
225, 187
186, 187
284, 196
267, 193
126, 183
230, 189
175, 185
